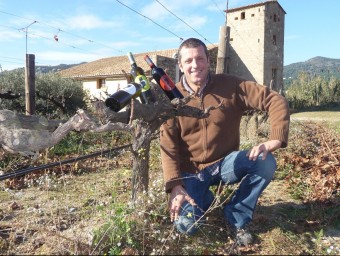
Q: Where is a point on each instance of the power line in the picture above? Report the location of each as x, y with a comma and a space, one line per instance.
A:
218, 8
72, 46
150, 20
26, 30
81, 37
60, 30
44, 37
183, 21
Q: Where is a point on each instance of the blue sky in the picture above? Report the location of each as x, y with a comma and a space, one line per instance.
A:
88, 30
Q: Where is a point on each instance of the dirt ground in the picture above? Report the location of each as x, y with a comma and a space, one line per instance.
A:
58, 214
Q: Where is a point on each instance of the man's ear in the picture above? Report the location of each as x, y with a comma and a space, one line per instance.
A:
180, 67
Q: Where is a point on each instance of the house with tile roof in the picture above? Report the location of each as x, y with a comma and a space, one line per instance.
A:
105, 76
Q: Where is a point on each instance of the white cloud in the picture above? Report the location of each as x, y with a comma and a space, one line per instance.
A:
155, 11
180, 8
7, 36
217, 6
195, 22
88, 21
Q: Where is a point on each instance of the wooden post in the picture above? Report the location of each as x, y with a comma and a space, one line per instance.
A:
222, 55
30, 84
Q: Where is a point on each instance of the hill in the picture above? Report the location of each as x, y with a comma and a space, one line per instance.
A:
318, 66
47, 69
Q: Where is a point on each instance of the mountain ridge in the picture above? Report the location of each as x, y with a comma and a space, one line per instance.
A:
316, 66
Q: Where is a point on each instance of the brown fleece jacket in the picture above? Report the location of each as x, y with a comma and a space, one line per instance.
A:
190, 144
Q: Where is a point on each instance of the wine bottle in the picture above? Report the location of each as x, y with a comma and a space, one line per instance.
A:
163, 80
139, 77
122, 97
133, 70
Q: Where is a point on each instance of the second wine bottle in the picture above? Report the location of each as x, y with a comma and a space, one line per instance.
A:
163, 80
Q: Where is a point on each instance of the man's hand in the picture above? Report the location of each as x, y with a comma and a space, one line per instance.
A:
177, 196
263, 148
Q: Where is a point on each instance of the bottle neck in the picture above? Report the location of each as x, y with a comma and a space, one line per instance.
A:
150, 62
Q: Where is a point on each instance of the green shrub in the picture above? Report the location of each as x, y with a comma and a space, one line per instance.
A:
56, 97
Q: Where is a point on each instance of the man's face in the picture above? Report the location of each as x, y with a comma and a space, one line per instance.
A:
195, 65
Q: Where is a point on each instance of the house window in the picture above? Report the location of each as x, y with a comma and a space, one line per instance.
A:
231, 39
252, 15
274, 39
236, 18
100, 83
275, 18
243, 15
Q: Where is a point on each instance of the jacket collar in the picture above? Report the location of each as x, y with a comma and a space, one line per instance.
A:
190, 90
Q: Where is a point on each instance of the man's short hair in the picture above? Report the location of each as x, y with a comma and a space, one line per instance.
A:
192, 43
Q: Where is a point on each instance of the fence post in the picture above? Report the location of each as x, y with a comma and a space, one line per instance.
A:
30, 84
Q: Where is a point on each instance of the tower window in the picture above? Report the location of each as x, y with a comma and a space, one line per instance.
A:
275, 18
243, 15
252, 15
236, 18
274, 39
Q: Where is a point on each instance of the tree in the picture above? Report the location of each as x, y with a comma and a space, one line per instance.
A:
56, 97
309, 91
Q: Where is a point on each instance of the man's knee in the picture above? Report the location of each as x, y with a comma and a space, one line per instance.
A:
186, 225
189, 219
268, 166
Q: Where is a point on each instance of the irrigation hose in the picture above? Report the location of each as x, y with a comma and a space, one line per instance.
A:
67, 161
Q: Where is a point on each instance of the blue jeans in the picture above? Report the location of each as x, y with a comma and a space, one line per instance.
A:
254, 177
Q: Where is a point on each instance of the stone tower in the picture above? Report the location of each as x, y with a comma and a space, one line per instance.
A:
257, 42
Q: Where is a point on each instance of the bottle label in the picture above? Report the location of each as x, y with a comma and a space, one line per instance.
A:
166, 83
130, 89
143, 81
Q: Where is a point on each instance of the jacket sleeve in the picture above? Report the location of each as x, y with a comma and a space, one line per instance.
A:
169, 145
256, 96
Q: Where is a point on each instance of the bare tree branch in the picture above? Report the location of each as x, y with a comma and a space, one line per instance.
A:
9, 95
29, 134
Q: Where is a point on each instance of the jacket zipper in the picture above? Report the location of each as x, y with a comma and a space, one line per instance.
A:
204, 130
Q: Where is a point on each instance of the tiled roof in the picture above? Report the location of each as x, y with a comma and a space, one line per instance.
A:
255, 5
113, 66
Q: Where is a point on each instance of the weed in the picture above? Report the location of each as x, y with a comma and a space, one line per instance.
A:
283, 170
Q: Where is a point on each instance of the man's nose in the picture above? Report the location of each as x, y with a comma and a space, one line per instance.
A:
194, 63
